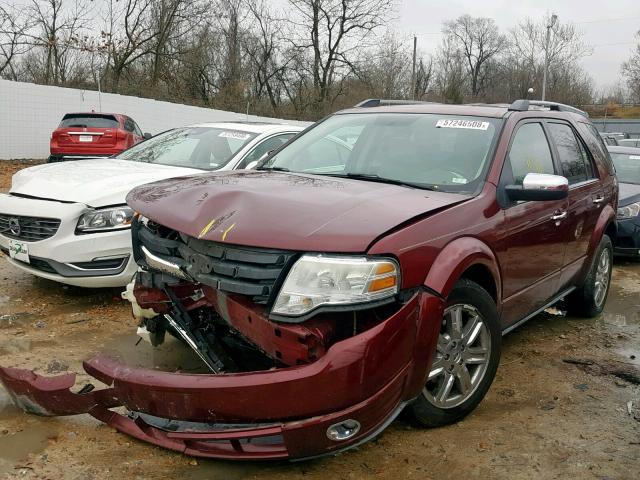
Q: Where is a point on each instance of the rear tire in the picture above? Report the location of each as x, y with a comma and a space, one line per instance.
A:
466, 358
590, 298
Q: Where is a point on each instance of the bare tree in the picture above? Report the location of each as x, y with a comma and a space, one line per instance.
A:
332, 30
267, 62
631, 71
523, 67
58, 27
478, 41
129, 35
172, 20
14, 27
450, 77
424, 77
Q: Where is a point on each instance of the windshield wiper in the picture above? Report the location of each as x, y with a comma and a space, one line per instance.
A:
372, 177
274, 169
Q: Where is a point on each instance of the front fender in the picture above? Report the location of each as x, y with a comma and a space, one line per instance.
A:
457, 257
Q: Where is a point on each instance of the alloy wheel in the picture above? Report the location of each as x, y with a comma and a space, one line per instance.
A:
462, 357
602, 278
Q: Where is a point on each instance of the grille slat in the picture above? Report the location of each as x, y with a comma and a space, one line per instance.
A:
250, 271
32, 229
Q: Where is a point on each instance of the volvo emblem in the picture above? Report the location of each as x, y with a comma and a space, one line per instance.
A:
14, 226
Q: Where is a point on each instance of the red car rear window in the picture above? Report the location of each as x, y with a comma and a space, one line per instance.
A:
88, 120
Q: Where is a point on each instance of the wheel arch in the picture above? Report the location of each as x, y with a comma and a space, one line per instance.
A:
470, 258
606, 224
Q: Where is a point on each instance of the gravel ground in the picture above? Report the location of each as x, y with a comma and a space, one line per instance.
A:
565, 402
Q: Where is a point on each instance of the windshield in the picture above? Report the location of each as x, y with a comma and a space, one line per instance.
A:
206, 148
441, 152
627, 167
88, 120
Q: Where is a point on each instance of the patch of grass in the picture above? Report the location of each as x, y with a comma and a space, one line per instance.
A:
613, 110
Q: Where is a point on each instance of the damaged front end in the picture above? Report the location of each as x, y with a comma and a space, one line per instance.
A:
279, 387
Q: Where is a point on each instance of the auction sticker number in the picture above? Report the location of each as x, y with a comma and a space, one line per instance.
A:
236, 135
469, 124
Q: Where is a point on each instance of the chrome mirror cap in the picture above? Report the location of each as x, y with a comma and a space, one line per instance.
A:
545, 181
539, 187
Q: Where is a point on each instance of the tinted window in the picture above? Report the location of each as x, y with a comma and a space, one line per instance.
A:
530, 152
197, 147
129, 126
576, 165
442, 152
88, 120
627, 167
595, 144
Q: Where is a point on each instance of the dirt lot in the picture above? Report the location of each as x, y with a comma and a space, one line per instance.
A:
9, 167
543, 417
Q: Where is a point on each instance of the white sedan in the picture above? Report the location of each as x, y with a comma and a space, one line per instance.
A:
68, 221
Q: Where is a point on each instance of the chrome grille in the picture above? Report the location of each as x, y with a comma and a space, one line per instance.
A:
29, 229
251, 271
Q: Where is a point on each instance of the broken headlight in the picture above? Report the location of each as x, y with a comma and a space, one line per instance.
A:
115, 218
317, 280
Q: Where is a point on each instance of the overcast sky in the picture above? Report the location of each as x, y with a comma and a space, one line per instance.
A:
603, 23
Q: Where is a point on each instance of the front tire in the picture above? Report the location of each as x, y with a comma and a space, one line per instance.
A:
589, 299
466, 357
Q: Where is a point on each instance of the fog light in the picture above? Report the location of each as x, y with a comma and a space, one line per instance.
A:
343, 430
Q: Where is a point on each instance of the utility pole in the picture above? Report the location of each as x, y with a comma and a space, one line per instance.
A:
550, 25
413, 71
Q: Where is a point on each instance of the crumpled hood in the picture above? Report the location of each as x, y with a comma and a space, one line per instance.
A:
96, 183
284, 210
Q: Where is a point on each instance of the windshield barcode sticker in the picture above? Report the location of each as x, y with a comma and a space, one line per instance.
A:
634, 157
236, 135
472, 124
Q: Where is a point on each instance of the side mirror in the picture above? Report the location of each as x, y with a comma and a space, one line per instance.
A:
147, 136
539, 187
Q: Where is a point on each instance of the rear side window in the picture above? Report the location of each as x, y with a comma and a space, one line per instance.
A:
129, 125
88, 120
596, 144
576, 164
530, 152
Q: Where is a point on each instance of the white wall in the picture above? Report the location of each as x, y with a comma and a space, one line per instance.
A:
29, 113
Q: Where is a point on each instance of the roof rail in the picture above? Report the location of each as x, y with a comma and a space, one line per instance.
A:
380, 102
523, 105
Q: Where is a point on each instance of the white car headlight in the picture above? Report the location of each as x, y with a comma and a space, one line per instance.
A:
317, 280
628, 211
115, 218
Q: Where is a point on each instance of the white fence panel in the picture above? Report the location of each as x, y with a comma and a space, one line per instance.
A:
29, 113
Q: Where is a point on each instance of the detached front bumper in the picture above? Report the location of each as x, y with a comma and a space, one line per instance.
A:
281, 413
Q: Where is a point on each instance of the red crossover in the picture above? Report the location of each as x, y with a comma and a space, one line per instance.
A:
370, 265
82, 135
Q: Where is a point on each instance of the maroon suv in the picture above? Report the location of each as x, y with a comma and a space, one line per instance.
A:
370, 265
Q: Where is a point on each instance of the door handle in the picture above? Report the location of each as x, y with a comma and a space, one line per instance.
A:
559, 215
598, 200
